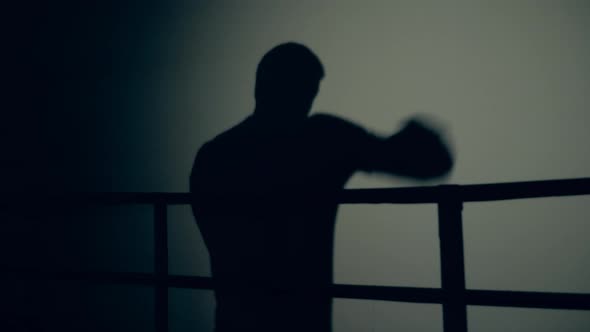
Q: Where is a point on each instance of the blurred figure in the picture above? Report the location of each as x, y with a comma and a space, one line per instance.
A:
264, 195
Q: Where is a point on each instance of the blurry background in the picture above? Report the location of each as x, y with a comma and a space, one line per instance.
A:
135, 89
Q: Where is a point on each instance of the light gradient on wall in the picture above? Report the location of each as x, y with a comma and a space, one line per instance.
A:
509, 79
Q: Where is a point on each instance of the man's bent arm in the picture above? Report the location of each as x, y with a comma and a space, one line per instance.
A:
416, 151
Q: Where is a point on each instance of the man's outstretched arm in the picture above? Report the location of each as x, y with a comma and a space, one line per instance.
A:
416, 151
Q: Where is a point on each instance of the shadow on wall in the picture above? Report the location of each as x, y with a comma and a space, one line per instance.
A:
265, 187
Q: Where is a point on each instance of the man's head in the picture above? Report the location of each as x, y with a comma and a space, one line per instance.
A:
287, 80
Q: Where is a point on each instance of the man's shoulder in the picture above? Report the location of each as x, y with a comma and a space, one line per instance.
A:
325, 118
214, 156
234, 135
335, 124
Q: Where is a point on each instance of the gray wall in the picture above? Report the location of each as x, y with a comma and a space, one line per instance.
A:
509, 79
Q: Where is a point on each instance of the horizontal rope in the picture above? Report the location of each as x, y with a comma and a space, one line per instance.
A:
547, 300
407, 195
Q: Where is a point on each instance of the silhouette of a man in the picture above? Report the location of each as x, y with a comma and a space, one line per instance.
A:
263, 194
